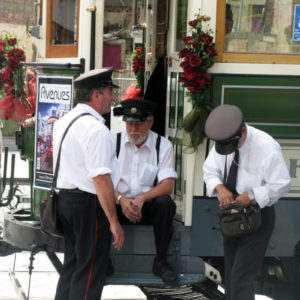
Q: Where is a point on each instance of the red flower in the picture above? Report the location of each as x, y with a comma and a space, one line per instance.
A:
197, 56
13, 107
138, 66
187, 39
10, 53
194, 60
183, 53
193, 23
8, 90
12, 41
19, 52
6, 75
207, 39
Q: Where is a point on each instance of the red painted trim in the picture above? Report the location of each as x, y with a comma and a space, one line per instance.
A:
94, 253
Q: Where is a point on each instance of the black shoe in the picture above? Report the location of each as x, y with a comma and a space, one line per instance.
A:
110, 268
162, 269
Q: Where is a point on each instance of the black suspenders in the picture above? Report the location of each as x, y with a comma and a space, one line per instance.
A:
157, 149
157, 154
118, 143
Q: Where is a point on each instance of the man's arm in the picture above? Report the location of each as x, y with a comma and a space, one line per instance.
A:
276, 182
164, 188
105, 192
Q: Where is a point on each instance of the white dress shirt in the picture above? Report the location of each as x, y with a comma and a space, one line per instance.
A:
261, 168
138, 166
88, 150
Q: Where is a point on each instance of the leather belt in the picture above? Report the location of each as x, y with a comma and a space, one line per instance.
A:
76, 191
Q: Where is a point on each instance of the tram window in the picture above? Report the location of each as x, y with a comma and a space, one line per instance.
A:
262, 31
181, 23
172, 111
180, 107
62, 28
178, 167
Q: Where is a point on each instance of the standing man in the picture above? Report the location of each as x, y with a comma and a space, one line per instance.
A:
87, 175
147, 178
261, 177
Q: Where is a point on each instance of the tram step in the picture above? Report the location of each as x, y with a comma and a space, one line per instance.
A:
148, 279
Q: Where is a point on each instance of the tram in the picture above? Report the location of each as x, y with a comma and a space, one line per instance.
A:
257, 68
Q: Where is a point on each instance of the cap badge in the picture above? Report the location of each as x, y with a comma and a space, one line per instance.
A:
133, 110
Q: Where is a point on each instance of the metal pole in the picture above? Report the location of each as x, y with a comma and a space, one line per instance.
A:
93, 43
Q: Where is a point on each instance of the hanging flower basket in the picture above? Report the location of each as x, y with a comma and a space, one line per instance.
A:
198, 54
14, 104
138, 67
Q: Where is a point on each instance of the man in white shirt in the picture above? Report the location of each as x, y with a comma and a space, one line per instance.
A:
262, 178
88, 173
147, 178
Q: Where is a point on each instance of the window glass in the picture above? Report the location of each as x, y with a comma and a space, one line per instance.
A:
180, 104
181, 23
173, 88
64, 22
262, 26
178, 167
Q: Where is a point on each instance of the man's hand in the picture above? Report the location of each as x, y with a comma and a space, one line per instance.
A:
118, 235
243, 199
129, 209
106, 196
225, 196
139, 203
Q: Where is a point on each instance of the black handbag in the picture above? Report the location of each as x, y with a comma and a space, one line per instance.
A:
50, 224
239, 220
48, 215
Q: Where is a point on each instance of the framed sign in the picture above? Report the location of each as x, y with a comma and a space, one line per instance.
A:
54, 100
296, 28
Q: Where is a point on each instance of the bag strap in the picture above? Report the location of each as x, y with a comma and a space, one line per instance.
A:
157, 154
58, 156
118, 143
225, 171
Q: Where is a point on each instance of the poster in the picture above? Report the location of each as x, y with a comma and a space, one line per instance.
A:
54, 100
296, 29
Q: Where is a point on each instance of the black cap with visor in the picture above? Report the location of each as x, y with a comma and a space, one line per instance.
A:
135, 110
95, 79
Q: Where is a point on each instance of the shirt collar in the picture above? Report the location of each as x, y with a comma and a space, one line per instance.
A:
86, 108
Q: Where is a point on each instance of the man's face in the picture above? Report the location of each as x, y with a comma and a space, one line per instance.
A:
138, 131
243, 137
107, 98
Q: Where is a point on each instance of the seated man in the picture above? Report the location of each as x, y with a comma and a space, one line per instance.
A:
147, 178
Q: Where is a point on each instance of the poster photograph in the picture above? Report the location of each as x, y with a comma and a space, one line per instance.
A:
54, 100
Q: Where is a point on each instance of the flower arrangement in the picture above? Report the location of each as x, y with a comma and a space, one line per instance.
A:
198, 54
135, 90
14, 105
138, 67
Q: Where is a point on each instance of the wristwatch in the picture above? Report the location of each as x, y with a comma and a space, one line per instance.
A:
251, 196
118, 199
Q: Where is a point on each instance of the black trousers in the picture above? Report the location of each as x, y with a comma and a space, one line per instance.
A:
87, 244
244, 257
160, 213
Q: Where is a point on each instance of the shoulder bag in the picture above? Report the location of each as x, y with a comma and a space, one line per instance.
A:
238, 220
50, 224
